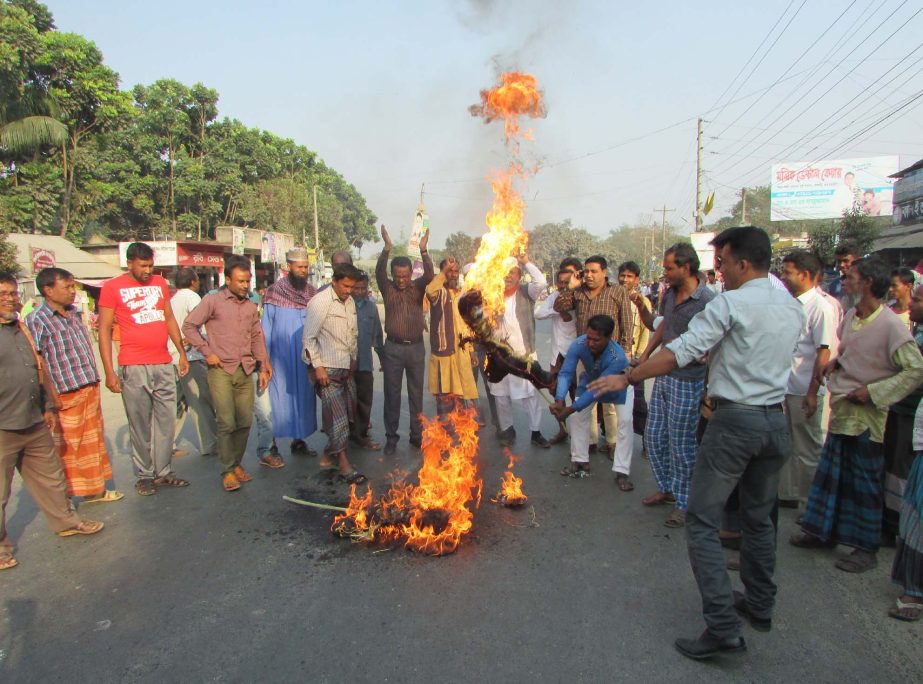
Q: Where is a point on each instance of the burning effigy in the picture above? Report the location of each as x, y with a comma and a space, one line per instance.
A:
433, 515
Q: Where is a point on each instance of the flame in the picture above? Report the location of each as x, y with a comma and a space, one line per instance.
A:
511, 493
517, 95
433, 515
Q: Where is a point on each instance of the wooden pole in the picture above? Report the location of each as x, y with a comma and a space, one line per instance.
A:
311, 504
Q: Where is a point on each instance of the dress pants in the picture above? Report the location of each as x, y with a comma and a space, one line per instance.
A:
149, 397
807, 442
365, 386
398, 359
33, 453
232, 394
745, 445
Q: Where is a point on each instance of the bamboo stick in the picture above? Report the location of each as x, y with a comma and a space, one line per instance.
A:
311, 504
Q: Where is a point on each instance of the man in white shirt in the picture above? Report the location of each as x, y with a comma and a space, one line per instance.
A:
563, 332
194, 384
517, 328
330, 348
818, 337
749, 332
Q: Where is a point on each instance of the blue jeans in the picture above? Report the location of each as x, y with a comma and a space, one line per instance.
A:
744, 447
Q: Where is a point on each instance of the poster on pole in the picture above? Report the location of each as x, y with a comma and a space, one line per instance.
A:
420, 228
826, 189
704, 250
238, 240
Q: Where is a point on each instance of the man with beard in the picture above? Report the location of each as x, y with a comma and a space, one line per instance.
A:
294, 412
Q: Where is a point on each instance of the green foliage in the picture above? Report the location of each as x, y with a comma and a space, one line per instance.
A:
461, 246
151, 161
856, 227
551, 242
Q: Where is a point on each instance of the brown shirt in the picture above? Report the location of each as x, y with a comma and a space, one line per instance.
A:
233, 328
22, 399
403, 308
612, 301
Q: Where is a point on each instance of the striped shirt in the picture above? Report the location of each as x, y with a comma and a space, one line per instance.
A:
64, 343
403, 308
612, 301
330, 337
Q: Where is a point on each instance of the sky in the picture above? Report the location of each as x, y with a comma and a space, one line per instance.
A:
381, 90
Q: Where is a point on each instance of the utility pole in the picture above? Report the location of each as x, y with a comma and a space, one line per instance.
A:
698, 178
316, 230
663, 227
743, 210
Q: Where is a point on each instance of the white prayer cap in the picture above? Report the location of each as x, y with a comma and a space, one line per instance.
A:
296, 254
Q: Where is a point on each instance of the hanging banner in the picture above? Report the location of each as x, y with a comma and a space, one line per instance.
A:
269, 252
192, 255
420, 228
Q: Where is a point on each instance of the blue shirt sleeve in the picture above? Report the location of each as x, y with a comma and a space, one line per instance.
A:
568, 371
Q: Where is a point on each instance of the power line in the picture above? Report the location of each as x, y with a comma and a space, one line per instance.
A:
826, 92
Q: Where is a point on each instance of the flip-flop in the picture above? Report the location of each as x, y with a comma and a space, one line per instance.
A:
623, 483
575, 472
108, 496
83, 527
896, 611
10, 563
857, 561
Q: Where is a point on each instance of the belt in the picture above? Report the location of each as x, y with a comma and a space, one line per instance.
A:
718, 402
398, 340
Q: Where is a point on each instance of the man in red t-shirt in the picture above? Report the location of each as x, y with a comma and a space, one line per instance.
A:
138, 302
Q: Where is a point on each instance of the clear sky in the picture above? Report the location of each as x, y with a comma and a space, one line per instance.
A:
381, 91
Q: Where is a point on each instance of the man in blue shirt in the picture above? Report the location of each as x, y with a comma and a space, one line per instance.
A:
369, 338
600, 356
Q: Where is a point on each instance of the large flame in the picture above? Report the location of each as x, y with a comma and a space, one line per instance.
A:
430, 517
515, 96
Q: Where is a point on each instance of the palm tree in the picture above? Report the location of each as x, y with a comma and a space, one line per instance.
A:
28, 123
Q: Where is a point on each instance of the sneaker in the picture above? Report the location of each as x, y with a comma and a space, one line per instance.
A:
230, 482
539, 440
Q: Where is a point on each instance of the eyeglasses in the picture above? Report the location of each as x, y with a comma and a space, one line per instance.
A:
9, 295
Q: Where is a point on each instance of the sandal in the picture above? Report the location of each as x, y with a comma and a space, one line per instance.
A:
271, 461
808, 541
83, 527
145, 487
677, 518
170, 480
658, 499
369, 444
908, 612
576, 471
858, 561
106, 497
623, 483
353, 478
12, 563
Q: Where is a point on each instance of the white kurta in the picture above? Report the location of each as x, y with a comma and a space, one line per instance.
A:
508, 330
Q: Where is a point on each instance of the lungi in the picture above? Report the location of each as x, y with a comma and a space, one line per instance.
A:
80, 442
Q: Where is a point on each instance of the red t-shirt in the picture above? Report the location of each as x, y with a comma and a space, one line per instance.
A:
139, 312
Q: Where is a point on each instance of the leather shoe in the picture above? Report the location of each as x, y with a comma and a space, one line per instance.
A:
538, 439
390, 447
708, 646
415, 442
757, 623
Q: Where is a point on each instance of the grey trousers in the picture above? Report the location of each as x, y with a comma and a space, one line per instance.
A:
807, 442
199, 399
395, 361
749, 446
149, 396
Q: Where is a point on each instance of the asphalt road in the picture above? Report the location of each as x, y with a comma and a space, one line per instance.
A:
584, 584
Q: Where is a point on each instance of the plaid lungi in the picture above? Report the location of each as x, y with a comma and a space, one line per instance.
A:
907, 570
338, 406
79, 438
845, 503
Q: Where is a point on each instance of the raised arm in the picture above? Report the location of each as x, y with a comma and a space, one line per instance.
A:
381, 266
427, 261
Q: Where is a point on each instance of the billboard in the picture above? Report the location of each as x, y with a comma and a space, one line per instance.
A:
705, 251
164, 252
825, 189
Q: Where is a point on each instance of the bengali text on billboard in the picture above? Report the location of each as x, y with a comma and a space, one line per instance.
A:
827, 189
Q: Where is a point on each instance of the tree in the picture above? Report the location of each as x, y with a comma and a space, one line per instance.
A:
461, 246
855, 226
89, 98
549, 243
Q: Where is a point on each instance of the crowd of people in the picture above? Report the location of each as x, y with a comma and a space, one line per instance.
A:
767, 390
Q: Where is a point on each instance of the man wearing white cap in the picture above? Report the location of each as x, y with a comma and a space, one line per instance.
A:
517, 328
294, 411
